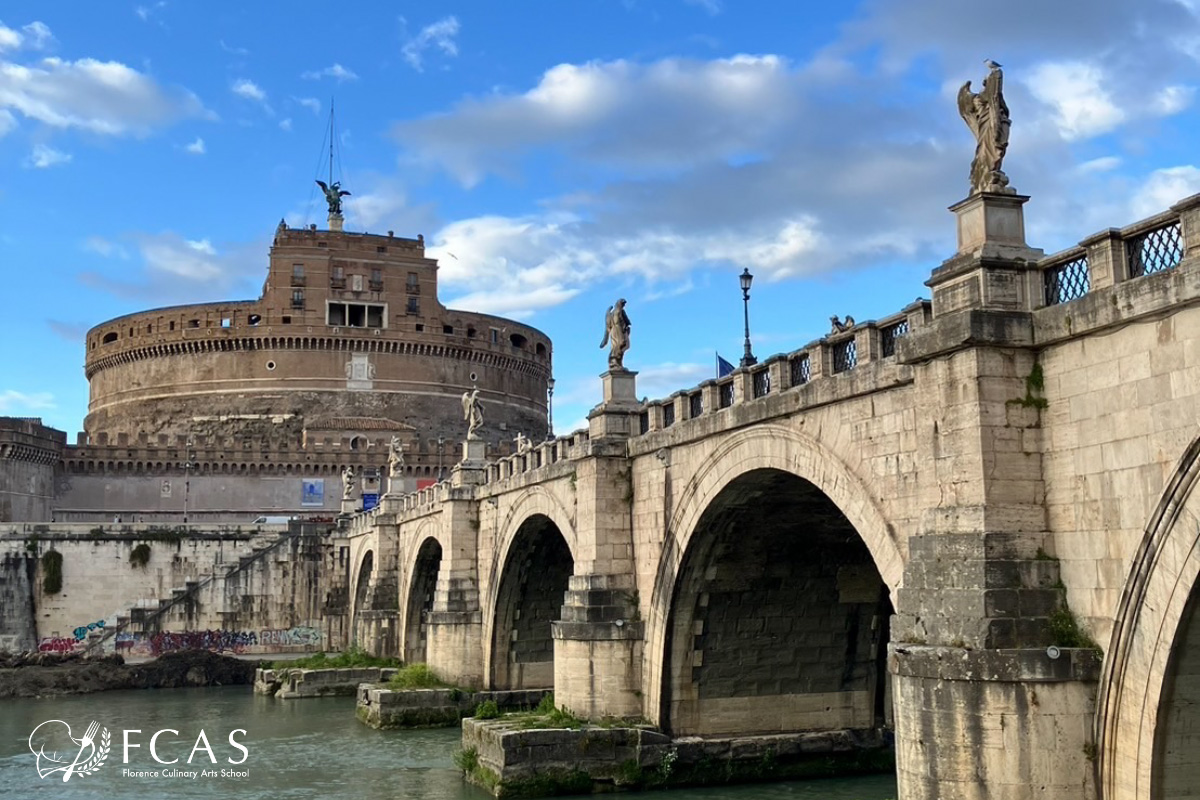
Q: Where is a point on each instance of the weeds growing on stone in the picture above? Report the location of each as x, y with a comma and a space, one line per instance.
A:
416, 676
354, 657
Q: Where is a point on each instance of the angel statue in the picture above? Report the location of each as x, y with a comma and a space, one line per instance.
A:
616, 332
395, 458
472, 413
348, 478
986, 114
333, 195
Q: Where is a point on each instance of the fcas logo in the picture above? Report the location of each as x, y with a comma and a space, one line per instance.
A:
57, 750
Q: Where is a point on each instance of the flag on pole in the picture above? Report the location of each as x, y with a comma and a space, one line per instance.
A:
723, 367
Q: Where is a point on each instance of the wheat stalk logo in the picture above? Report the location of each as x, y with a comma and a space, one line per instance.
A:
89, 754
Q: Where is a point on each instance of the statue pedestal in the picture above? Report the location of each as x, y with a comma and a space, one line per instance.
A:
620, 387
616, 415
994, 267
474, 451
335, 222
348, 506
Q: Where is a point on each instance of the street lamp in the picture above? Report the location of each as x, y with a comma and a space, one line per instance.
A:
748, 358
441, 445
550, 408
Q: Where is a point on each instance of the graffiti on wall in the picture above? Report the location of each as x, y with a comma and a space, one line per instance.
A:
218, 641
67, 644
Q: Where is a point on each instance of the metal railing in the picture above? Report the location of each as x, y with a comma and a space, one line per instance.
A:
695, 405
1068, 281
888, 336
845, 355
801, 370
1155, 250
726, 396
668, 411
761, 383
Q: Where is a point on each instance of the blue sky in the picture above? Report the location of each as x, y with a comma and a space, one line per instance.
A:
566, 153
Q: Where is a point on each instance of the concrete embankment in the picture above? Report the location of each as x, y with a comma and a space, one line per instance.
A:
49, 675
294, 684
385, 709
510, 759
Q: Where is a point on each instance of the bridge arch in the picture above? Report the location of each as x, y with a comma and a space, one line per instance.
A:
529, 580
362, 585
769, 470
1153, 657
421, 588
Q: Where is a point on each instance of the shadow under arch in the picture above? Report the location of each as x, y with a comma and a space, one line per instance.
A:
1155, 615
773, 448
778, 622
362, 586
528, 600
422, 585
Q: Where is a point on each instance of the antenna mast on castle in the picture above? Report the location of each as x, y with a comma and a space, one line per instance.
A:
333, 190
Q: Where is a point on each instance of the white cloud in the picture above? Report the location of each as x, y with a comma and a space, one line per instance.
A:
711, 7
337, 72
14, 402
1173, 99
196, 148
237, 51
311, 103
44, 156
249, 90
37, 35
104, 247
9, 39
438, 35
175, 269
1076, 91
285, 124
1101, 164
7, 121
104, 97
1164, 188
665, 114
657, 381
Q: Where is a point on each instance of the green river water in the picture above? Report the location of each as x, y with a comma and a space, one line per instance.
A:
296, 749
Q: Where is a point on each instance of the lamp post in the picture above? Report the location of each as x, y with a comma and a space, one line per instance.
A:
441, 445
550, 408
748, 358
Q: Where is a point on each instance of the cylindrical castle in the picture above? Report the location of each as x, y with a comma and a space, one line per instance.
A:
348, 335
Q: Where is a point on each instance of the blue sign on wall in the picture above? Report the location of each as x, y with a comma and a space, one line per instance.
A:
370, 501
312, 492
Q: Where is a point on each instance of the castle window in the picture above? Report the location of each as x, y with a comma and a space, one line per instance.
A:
337, 278
495, 336
471, 333
193, 323
420, 327
171, 325
356, 315
254, 319
150, 328
376, 280
541, 349
109, 338
414, 306
297, 274
297, 298
413, 285
448, 330
226, 322
518, 341
285, 320
381, 248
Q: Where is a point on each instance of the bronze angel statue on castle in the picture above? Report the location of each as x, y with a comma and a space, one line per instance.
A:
333, 195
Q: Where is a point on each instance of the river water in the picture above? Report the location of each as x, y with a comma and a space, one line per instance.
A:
293, 749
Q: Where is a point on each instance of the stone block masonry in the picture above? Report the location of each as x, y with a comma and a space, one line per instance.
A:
385, 709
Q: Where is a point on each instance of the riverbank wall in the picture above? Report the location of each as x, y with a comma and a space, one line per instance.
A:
386, 709
145, 590
18, 625
297, 684
510, 759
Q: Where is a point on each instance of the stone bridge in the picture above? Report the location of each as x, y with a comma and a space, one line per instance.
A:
971, 522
